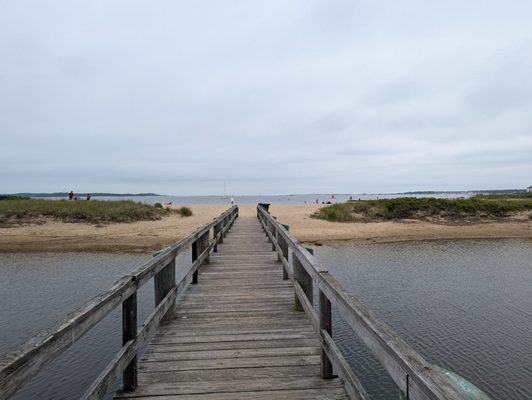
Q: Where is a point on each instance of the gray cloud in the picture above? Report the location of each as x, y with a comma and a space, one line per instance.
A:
270, 96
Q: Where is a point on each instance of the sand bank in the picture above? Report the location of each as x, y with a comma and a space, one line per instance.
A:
151, 235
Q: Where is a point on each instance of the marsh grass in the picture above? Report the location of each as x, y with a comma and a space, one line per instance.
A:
24, 210
476, 207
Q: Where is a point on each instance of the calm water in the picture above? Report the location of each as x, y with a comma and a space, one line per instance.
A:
465, 305
38, 289
272, 199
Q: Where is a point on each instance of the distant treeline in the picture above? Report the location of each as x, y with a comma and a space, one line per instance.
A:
65, 194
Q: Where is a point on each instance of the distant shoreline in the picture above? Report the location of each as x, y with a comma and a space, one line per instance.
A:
152, 235
65, 194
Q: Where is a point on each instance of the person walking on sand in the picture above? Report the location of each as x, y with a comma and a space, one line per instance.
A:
232, 201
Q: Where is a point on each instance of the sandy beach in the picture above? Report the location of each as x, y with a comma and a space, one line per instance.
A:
151, 235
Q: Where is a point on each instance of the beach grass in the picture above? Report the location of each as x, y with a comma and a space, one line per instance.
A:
476, 207
17, 210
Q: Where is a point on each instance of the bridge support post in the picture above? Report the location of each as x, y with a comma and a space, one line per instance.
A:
325, 324
129, 332
279, 243
204, 244
194, 258
225, 224
220, 228
164, 281
305, 280
284, 248
215, 231
198, 247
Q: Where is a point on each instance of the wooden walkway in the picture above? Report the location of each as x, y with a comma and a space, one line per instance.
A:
236, 335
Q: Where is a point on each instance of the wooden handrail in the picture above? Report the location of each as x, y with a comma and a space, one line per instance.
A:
413, 375
29, 358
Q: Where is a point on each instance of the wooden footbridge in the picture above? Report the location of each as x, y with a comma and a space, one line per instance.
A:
245, 328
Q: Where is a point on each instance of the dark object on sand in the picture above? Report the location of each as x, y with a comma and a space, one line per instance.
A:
266, 206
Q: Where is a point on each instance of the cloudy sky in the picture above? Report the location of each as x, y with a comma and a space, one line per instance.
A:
272, 97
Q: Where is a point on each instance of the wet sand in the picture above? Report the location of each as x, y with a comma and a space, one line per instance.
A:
151, 235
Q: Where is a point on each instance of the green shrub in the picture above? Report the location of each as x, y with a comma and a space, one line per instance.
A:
158, 205
185, 211
420, 208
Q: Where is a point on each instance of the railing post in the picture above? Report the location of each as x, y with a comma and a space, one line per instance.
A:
284, 248
279, 243
198, 247
225, 222
194, 258
164, 281
266, 230
215, 231
325, 324
204, 245
304, 279
221, 227
129, 332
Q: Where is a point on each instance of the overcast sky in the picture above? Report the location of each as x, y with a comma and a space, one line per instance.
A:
273, 97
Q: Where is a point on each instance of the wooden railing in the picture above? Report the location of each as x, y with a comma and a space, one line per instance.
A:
24, 363
415, 377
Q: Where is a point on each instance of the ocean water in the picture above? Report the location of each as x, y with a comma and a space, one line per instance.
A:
272, 199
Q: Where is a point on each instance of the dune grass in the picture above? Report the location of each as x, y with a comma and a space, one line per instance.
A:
476, 207
15, 210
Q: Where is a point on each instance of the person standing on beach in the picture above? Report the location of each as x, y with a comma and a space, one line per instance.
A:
232, 201
88, 196
71, 195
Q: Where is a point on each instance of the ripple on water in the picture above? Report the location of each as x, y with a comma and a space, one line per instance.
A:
463, 304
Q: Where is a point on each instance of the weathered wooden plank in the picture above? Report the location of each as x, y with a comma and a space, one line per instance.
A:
178, 337
235, 386
233, 316
304, 394
229, 363
232, 345
229, 373
229, 308
211, 354
249, 285
197, 303
236, 325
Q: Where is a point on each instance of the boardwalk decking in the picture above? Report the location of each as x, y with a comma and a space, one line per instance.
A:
236, 335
